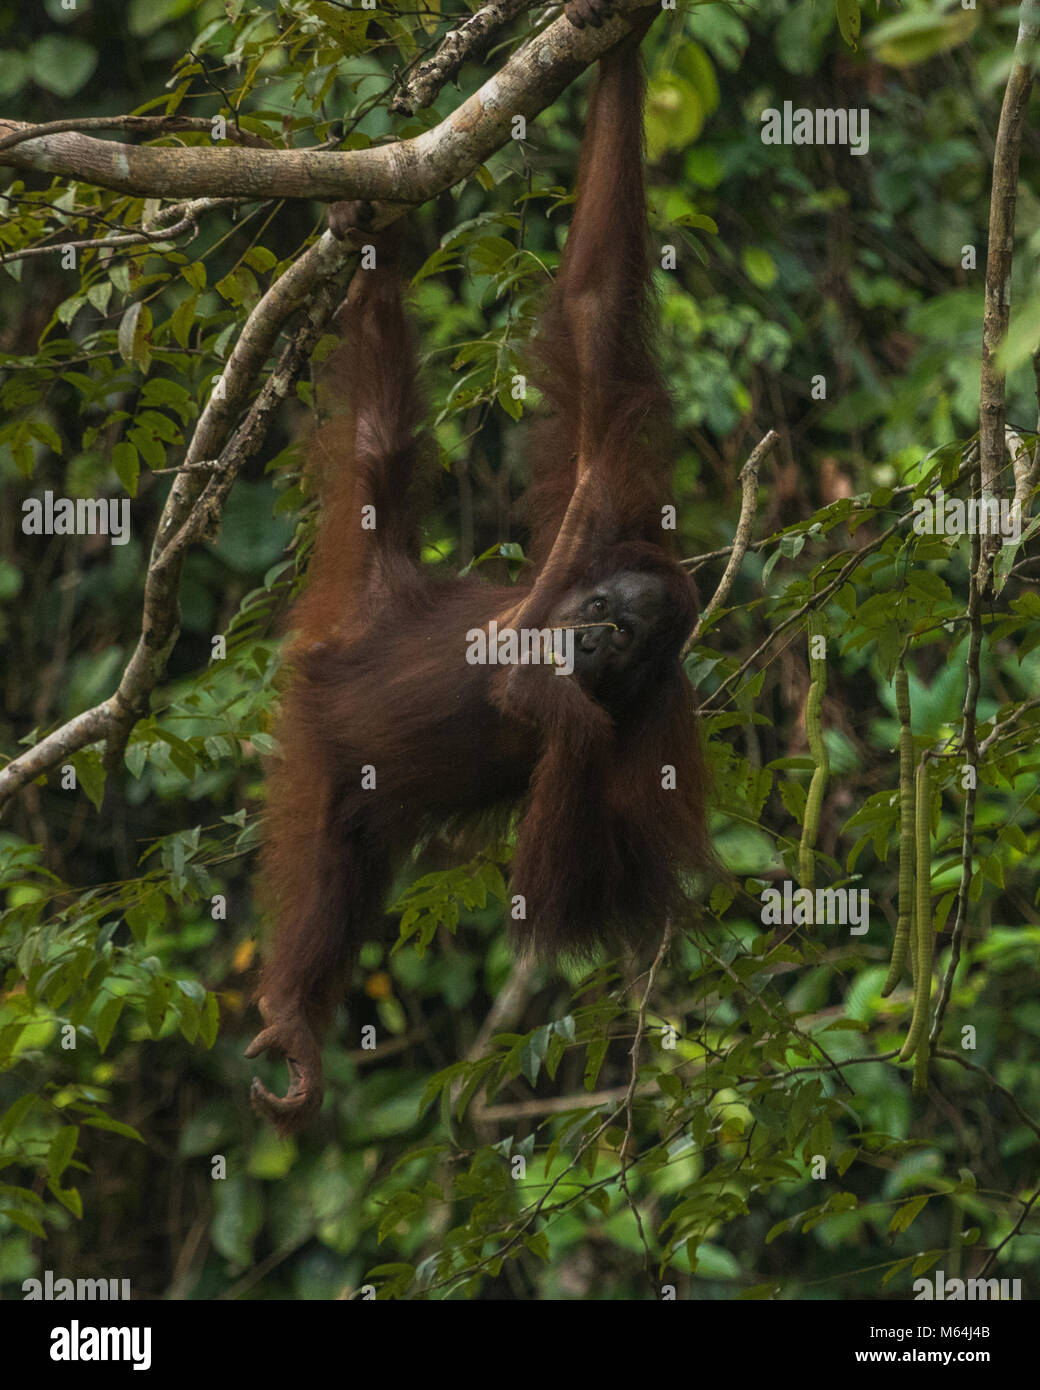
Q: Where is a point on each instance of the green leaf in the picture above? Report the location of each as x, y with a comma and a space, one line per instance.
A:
90, 774
260, 258
760, 267
905, 1214
146, 913
16, 1113
14, 73
133, 337
25, 1220
183, 319
530, 1063
155, 1007
238, 286
513, 408
565, 1028
238, 1219
62, 1147
671, 1085
148, 15
674, 114
107, 1020
127, 464
210, 1020
100, 294
188, 1022
912, 38
700, 220
148, 446
120, 277
68, 310
62, 64
597, 1050
68, 1197
538, 1244
99, 1120
489, 254
46, 434
848, 21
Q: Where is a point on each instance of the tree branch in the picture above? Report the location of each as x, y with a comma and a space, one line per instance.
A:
470, 40
188, 222
318, 281
1003, 197
152, 126
742, 536
407, 171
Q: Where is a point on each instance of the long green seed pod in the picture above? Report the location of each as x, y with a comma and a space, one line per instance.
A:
925, 934
818, 749
918, 1035
906, 832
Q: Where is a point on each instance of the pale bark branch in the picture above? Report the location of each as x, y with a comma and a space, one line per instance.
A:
407, 171
470, 40
742, 536
319, 279
999, 731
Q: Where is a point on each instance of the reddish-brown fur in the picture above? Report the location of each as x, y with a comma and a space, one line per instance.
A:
380, 677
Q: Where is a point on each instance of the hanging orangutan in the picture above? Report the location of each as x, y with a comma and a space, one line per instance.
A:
387, 729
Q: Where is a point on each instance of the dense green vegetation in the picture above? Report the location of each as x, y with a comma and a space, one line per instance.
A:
835, 298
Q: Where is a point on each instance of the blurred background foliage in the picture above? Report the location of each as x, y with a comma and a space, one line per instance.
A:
129, 932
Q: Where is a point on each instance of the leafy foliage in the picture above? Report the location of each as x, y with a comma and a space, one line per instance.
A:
547, 1163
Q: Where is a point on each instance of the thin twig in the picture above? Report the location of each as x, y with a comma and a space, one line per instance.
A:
970, 745
630, 1095
189, 222
145, 125
470, 40
948, 1055
749, 500
1027, 1207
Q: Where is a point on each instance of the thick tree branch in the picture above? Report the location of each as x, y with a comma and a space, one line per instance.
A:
408, 171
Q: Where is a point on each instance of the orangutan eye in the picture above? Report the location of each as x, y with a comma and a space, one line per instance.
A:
599, 606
